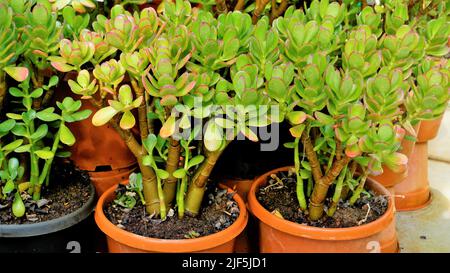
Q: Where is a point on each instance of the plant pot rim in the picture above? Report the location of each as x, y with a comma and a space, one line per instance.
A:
50, 226
169, 245
317, 233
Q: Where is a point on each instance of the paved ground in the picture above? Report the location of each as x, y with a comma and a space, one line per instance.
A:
428, 229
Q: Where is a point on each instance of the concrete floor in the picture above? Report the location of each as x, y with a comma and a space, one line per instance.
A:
428, 229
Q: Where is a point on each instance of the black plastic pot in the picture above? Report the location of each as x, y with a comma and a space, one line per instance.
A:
75, 233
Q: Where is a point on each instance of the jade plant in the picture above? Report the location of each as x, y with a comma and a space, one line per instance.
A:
170, 75
32, 131
354, 98
39, 135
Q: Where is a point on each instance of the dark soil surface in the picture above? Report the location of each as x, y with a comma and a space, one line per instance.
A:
282, 198
68, 191
218, 213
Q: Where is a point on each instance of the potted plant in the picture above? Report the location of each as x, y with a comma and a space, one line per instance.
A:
346, 101
41, 197
182, 67
93, 151
431, 86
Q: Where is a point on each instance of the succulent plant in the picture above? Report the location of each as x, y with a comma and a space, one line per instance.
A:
44, 34
80, 6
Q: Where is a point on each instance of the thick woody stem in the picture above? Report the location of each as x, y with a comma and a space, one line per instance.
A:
142, 110
260, 5
239, 5
170, 184
312, 156
221, 6
149, 182
321, 188
197, 187
3, 89
277, 11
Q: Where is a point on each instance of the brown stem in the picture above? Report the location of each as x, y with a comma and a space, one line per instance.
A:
221, 6
239, 5
277, 11
3, 89
197, 187
47, 97
170, 184
142, 110
338, 150
312, 157
260, 6
321, 188
149, 182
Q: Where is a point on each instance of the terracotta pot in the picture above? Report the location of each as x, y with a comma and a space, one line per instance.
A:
121, 241
429, 129
408, 145
98, 148
389, 178
105, 180
278, 235
414, 192
247, 241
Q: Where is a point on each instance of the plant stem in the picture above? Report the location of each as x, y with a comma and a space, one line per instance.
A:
359, 189
260, 6
197, 187
48, 163
239, 5
221, 6
312, 156
3, 88
142, 110
321, 188
173, 158
277, 11
150, 187
300, 192
338, 191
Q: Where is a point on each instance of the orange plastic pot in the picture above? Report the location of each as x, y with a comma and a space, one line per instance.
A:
121, 241
247, 241
279, 235
105, 180
429, 129
414, 192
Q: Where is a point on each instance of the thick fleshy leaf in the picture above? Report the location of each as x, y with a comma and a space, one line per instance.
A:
397, 162
296, 117
103, 116
17, 73
180, 173
44, 154
168, 127
213, 137
127, 121
66, 135
297, 130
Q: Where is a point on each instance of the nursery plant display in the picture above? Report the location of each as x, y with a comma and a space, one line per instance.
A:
432, 83
369, 69
33, 134
169, 65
